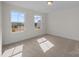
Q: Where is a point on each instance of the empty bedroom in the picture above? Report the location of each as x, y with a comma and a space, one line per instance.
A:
40, 28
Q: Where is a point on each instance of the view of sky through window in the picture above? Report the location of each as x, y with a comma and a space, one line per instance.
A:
37, 18
17, 17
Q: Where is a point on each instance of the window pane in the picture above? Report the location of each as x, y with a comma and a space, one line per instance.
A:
14, 17
37, 21
17, 21
20, 17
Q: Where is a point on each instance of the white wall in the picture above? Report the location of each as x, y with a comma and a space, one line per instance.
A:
64, 23
0, 31
8, 36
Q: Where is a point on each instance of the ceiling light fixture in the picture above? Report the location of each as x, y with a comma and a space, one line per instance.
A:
50, 2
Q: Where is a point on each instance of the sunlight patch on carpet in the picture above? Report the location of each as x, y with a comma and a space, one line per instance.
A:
45, 44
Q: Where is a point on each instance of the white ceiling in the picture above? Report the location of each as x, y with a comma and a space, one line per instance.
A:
42, 6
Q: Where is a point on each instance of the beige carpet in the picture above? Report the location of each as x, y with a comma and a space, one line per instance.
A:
44, 46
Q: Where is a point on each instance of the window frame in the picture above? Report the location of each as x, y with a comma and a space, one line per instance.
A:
40, 23
11, 22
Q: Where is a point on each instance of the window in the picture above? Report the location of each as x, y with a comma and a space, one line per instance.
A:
37, 22
17, 21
